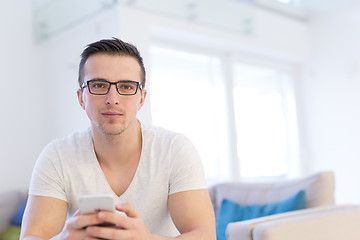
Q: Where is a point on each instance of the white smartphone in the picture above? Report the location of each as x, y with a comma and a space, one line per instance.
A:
93, 203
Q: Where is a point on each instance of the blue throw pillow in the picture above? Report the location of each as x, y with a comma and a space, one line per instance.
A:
17, 218
234, 212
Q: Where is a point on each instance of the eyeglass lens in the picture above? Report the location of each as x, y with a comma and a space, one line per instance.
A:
103, 87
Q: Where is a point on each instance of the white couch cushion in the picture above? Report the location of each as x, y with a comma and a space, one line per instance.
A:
319, 190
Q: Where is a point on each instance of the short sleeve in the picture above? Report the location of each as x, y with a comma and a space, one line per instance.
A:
47, 177
186, 171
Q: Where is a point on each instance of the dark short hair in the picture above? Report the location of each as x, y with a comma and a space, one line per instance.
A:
112, 46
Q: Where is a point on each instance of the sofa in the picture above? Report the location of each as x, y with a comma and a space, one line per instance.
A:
321, 219
320, 223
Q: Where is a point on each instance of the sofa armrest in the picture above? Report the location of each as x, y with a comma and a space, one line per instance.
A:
329, 225
256, 229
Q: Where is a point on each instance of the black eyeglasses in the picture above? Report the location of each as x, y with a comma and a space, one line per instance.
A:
102, 87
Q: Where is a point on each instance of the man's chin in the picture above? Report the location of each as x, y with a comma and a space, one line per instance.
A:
112, 130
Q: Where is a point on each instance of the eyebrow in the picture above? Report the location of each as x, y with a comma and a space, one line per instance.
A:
102, 79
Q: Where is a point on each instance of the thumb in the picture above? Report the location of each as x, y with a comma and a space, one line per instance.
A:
128, 209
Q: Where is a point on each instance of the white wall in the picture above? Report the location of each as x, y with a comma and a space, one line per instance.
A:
21, 96
330, 101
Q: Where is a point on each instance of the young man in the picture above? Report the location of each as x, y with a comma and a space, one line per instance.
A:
155, 176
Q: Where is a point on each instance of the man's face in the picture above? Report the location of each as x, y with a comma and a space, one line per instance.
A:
112, 113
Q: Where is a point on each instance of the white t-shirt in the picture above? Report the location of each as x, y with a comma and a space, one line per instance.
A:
68, 168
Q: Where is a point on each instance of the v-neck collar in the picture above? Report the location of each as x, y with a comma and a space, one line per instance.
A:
96, 164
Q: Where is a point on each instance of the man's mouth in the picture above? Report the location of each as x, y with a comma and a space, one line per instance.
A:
110, 114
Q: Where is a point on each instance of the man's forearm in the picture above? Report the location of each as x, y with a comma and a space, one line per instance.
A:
38, 238
31, 238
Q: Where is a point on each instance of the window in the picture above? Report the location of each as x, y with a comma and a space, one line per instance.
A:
187, 96
190, 94
261, 120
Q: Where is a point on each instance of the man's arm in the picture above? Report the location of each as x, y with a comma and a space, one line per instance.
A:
44, 217
193, 214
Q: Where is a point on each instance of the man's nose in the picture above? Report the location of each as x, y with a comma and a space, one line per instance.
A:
112, 97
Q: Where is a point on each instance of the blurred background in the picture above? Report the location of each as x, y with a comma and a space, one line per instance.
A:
266, 89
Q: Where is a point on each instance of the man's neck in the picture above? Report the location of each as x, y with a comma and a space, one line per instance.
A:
118, 149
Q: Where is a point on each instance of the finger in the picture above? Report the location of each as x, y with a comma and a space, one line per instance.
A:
128, 209
85, 220
119, 219
107, 233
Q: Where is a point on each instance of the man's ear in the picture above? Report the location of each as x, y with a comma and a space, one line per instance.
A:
142, 99
80, 98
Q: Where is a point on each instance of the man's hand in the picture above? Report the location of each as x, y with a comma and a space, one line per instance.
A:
45, 218
191, 211
76, 226
130, 226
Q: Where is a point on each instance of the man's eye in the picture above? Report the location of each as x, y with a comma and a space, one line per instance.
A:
99, 85
126, 86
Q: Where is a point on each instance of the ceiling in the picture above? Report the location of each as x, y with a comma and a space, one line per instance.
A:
325, 5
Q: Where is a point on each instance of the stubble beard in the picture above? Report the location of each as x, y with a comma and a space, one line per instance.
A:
114, 127
109, 130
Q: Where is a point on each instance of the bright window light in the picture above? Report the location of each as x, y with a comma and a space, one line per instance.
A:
187, 96
190, 94
261, 120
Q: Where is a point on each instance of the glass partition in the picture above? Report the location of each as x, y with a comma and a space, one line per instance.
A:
54, 16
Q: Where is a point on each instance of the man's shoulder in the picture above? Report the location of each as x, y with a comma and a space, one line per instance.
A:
73, 146
152, 131
162, 135
72, 140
